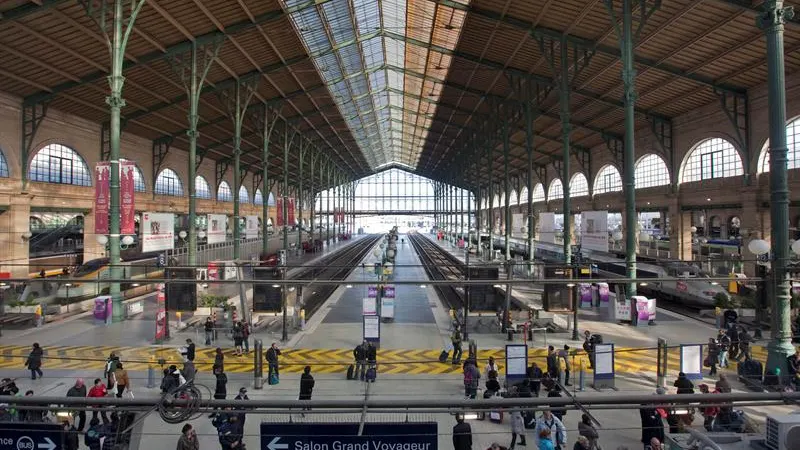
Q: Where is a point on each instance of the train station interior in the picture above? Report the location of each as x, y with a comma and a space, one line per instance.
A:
613, 181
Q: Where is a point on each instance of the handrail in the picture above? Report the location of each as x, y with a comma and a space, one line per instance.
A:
702, 438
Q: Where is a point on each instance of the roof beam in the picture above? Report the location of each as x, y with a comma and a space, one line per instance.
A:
28, 8
158, 55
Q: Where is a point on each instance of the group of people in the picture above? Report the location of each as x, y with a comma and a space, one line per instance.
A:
733, 343
366, 358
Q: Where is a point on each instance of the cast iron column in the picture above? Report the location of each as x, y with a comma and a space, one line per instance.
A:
490, 167
301, 175
629, 160
507, 193
772, 21
529, 151
265, 180
328, 200
566, 129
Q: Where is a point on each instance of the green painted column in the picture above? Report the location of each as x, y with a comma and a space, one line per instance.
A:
329, 194
506, 188
772, 21
301, 194
490, 168
529, 152
313, 196
285, 194
566, 129
265, 180
629, 152
115, 102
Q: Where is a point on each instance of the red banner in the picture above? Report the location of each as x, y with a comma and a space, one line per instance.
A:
127, 209
291, 211
279, 207
102, 196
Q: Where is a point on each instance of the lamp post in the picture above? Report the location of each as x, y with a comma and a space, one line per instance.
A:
572, 296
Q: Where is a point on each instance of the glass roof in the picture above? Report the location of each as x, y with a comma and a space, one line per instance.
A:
375, 57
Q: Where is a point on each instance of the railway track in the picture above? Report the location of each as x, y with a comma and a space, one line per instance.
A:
336, 267
440, 265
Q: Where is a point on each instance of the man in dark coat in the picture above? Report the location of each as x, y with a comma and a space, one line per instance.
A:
272, 359
552, 363
360, 356
306, 386
79, 391
34, 361
462, 434
652, 425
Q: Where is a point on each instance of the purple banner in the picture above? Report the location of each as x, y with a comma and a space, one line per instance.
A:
388, 291
642, 309
102, 308
603, 293
372, 292
585, 291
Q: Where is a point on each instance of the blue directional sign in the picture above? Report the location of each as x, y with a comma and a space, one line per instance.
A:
344, 436
31, 436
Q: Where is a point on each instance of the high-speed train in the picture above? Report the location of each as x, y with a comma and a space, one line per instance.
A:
690, 285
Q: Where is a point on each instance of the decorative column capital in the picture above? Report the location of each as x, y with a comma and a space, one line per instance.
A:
774, 15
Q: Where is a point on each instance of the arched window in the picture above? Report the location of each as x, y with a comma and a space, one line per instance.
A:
651, 171
514, 199
607, 180
793, 156
4, 173
138, 178
224, 193
578, 186
168, 183
712, 158
258, 199
56, 163
556, 190
271, 199
201, 188
523, 196
244, 196
538, 193
495, 201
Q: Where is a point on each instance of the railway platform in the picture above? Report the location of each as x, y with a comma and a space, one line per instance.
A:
82, 330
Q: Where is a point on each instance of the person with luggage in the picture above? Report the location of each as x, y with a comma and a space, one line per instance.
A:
724, 345
462, 434
306, 387
272, 359
456, 340
372, 362
360, 356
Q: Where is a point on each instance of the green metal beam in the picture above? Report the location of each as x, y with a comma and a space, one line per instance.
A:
158, 55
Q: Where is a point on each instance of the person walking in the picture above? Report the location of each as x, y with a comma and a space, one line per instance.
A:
188, 439
360, 355
517, 429
724, 345
34, 361
109, 372
545, 440
456, 340
242, 396
548, 421
462, 434
78, 391
709, 412
713, 356
98, 390
272, 359
238, 337
191, 349
219, 361
744, 344
208, 327
246, 336
306, 387
588, 347
221, 386
588, 431
123, 382
563, 355
471, 378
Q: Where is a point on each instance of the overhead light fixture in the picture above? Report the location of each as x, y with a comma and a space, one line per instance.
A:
349, 286
276, 285
422, 286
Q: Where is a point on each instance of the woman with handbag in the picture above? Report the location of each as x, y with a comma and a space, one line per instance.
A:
122, 379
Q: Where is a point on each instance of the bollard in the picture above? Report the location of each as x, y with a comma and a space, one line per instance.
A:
151, 373
661, 363
258, 364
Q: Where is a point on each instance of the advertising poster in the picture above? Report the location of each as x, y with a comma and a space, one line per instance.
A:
161, 316
279, 212
585, 291
290, 211
251, 227
594, 230
216, 228
547, 227
102, 196
622, 309
158, 231
603, 293
127, 207
372, 291
369, 306
389, 291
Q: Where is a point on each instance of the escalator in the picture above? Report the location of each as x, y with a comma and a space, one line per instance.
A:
64, 239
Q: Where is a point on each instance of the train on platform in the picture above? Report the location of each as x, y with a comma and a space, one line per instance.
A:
691, 285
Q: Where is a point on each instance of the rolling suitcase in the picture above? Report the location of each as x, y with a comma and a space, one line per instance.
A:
443, 356
371, 375
273, 379
351, 372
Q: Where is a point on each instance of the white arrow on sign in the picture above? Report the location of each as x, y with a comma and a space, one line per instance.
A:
47, 445
273, 444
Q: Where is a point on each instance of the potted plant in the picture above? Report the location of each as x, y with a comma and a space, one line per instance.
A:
207, 304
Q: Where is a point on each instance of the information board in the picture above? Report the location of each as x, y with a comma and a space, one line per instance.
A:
516, 362
604, 366
372, 328
369, 306
345, 436
692, 361
158, 231
31, 436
